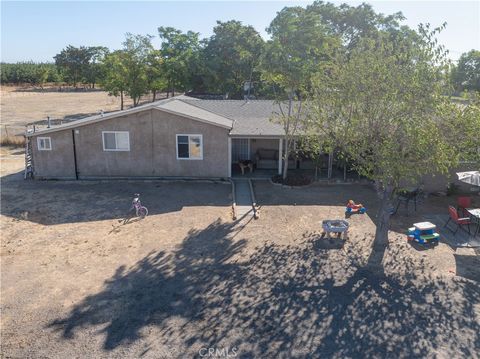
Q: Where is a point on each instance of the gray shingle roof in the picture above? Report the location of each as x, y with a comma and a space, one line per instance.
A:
251, 118
246, 118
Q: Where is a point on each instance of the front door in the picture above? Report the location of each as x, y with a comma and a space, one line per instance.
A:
240, 149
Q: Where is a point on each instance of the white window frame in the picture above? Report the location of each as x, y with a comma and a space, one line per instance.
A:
116, 143
189, 135
44, 148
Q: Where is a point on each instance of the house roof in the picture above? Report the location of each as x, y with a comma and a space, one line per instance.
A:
251, 118
172, 105
244, 118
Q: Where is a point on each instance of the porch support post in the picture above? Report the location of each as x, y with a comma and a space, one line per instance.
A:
330, 165
280, 155
229, 157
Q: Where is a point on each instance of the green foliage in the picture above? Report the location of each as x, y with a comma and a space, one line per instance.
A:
29, 73
127, 70
115, 74
230, 57
179, 53
381, 106
466, 75
300, 42
81, 64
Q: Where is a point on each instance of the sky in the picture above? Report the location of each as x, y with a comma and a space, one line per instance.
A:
37, 30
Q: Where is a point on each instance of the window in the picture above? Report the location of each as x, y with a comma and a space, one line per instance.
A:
116, 141
44, 143
189, 147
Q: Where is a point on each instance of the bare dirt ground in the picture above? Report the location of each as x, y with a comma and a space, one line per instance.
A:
78, 283
20, 106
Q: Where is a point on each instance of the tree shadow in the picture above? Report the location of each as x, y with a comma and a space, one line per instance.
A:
297, 301
57, 202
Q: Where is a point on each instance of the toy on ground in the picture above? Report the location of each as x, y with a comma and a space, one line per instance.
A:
352, 207
338, 226
423, 233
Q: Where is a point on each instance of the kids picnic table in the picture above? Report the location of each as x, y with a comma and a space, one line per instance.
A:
423, 233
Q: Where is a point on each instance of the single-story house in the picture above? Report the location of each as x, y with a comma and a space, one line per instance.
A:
177, 137
182, 137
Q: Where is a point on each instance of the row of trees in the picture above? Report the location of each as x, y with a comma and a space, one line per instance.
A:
29, 73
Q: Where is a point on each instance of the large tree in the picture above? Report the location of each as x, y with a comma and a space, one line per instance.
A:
137, 50
179, 52
300, 44
231, 55
115, 75
126, 71
466, 75
383, 105
73, 62
93, 72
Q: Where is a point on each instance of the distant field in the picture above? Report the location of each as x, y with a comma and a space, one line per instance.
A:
20, 106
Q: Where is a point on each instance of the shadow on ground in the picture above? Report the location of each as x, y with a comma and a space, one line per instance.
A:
297, 301
57, 202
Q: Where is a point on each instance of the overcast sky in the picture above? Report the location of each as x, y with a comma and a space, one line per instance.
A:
39, 30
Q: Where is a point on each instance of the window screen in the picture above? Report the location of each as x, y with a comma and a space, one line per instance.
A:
116, 141
189, 147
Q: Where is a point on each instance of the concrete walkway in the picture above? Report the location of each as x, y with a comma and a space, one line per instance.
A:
243, 198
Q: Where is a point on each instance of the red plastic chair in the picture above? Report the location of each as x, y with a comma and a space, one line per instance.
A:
457, 220
463, 203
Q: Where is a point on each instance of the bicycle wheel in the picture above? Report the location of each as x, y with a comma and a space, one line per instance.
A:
142, 212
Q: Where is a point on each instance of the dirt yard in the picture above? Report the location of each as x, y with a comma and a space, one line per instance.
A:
20, 106
78, 283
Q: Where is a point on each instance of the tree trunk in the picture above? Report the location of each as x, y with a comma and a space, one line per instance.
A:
121, 100
285, 158
154, 95
173, 92
383, 216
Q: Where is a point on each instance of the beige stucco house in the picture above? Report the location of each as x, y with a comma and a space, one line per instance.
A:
178, 137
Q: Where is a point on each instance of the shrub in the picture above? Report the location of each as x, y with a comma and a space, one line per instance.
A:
293, 179
13, 141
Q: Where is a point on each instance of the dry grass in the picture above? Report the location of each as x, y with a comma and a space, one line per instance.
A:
12, 141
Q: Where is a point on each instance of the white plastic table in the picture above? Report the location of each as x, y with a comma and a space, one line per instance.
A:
424, 226
475, 212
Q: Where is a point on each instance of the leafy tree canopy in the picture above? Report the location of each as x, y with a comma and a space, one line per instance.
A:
231, 55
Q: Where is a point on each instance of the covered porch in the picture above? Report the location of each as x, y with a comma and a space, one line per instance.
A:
263, 157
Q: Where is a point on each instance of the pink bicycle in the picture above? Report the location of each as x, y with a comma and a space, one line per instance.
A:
140, 211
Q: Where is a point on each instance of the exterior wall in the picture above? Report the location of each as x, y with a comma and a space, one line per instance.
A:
215, 147
58, 162
152, 152
439, 182
260, 143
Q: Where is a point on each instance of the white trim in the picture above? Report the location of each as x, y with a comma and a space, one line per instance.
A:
44, 148
116, 144
229, 142
189, 135
280, 155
